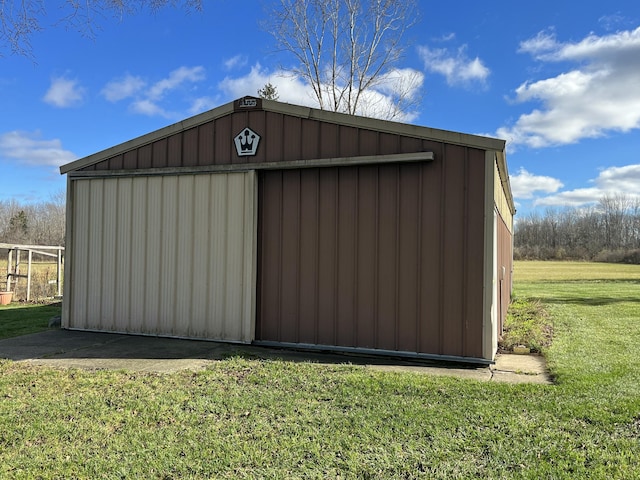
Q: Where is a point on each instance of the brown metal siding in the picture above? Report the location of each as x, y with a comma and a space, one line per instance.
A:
284, 138
384, 257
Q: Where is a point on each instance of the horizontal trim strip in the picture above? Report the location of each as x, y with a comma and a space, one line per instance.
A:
228, 168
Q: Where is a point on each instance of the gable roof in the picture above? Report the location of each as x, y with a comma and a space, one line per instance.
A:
324, 116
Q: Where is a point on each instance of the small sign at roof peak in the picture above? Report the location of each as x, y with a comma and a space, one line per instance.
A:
245, 103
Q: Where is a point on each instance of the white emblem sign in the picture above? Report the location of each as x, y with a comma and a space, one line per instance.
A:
246, 142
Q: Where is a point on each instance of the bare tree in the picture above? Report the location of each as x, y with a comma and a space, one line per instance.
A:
346, 49
40, 223
608, 231
20, 19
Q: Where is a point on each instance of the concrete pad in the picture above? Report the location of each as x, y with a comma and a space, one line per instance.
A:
95, 350
520, 369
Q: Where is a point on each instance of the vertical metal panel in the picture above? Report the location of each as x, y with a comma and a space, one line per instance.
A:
326, 297
153, 269
199, 297
77, 214
387, 258
116, 163
290, 254
291, 148
142, 241
474, 252
309, 248
348, 141
409, 257
124, 243
185, 259
165, 255
505, 268
366, 246
431, 231
223, 140
452, 248
205, 144
174, 150
347, 286
190, 148
329, 140
109, 227
270, 207
274, 137
219, 246
144, 156
95, 258
159, 153
384, 257
130, 160
169, 254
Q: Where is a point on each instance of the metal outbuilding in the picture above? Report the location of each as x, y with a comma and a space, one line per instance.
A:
269, 223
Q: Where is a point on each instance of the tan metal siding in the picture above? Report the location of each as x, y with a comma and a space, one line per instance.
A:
383, 257
505, 269
170, 255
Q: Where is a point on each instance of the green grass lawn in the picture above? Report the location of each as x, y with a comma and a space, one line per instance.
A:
22, 318
248, 418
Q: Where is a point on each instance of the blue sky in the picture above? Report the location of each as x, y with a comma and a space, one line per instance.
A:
560, 81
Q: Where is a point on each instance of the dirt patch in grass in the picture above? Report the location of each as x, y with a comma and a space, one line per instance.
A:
527, 324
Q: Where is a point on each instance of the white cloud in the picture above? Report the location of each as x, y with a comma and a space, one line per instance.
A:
147, 99
30, 148
175, 79
542, 42
64, 92
379, 101
290, 89
236, 62
600, 96
144, 106
610, 181
525, 184
456, 66
202, 104
122, 88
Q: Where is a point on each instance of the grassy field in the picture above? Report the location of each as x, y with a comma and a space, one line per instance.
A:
249, 418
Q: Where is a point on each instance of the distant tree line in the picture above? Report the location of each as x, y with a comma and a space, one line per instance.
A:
41, 223
608, 232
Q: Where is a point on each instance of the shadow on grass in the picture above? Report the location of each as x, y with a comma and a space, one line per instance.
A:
593, 301
588, 281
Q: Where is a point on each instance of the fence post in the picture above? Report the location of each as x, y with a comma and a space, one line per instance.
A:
29, 275
9, 260
59, 275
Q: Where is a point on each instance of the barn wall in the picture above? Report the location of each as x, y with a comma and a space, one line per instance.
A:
164, 255
386, 257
